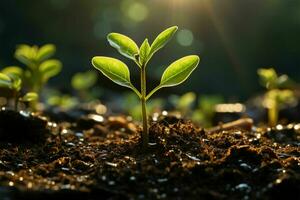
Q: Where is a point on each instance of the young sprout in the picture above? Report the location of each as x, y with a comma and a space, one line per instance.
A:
118, 71
40, 68
10, 79
184, 103
277, 95
82, 82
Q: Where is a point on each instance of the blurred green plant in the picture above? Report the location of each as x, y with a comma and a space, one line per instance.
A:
11, 85
57, 99
82, 82
131, 105
39, 67
205, 111
119, 73
184, 103
278, 93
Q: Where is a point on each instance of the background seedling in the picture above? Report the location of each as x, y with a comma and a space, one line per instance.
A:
278, 93
184, 103
205, 110
118, 71
39, 67
10, 79
82, 82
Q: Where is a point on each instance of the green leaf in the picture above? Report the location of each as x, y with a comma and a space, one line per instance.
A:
83, 81
30, 96
5, 81
13, 71
50, 68
125, 45
162, 39
16, 83
177, 72
24, 54
45, 52
115, 70
268, 77
144, 52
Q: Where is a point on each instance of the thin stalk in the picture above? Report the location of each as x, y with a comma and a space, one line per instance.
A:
16, 101
145, 133
273, 114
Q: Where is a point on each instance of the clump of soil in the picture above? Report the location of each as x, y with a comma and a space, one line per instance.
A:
21, 127
101, 158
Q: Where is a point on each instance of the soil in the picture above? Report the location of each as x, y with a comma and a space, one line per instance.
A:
100, 158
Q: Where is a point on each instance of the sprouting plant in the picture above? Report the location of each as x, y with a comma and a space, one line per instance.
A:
278, 93
118, 71
10, 79
183, 103
82, 82
205, 111
131, 105
39, 67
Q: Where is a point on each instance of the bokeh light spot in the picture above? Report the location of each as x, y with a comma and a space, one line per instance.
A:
185, 37
136, 11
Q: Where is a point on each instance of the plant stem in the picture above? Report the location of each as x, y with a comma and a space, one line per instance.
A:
16, 102
273, 114
145, 133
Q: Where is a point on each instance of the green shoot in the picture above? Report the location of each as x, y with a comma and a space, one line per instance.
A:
119, 73
10, 79
82, 82
277, 94
39, 67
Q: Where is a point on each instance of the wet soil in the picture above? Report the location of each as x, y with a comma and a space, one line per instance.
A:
100, 158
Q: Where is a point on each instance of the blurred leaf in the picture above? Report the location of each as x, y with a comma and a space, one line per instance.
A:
16, 83
30, 96
144, 52
115, 70
162, 39
125, 45
186, 101
5, 81
26, 54
50, 68
45, 52
83, 81
268, 77
13, 71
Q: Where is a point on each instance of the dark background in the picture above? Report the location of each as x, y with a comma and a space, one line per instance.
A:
233, 37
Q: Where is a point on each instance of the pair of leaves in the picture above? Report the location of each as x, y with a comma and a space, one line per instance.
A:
10, 80
128, 48
119, 73
49, 69
31, 55
270, 80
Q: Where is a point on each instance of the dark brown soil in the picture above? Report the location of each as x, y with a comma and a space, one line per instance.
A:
103, 160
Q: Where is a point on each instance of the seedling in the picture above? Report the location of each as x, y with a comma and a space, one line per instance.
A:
82, 82
205, 111
39, 68
184, 103
277, 95
118, 71
10, 79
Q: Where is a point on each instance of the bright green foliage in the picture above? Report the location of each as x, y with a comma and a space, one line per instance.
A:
126, 46
119, 73
278, 94
206, 109
39, 67
10, 79
184, 103
84, 80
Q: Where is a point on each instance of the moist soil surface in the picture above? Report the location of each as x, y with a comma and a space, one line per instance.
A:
100, 158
